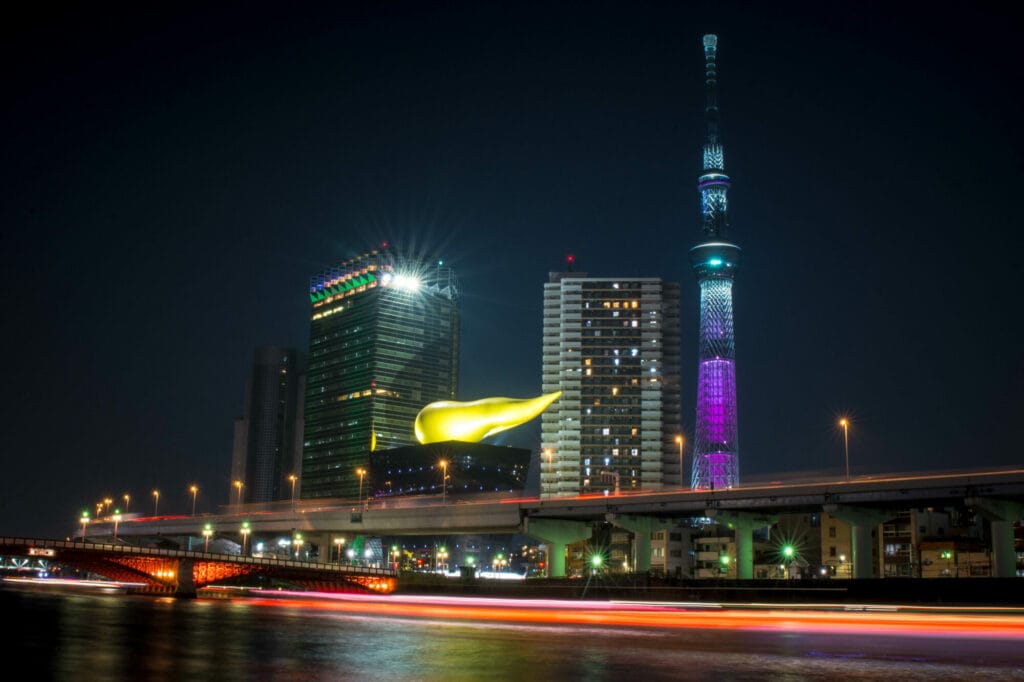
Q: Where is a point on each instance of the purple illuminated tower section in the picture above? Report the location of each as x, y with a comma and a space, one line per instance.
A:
715, 260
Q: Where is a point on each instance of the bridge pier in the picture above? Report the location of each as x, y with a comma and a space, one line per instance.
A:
184, 585
743, 525
1001, 515
641, 527
557, 534
861, 521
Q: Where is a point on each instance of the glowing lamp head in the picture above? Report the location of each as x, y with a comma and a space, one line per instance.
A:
787, 551
403, 281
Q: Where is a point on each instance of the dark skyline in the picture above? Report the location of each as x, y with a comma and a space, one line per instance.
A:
174, 176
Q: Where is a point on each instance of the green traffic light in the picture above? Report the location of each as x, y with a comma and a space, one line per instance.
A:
787, 551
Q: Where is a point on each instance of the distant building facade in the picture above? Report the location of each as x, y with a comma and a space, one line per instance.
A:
611, 345
268, 436
383, 343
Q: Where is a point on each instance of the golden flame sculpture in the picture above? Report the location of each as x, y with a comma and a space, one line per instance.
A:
475, 420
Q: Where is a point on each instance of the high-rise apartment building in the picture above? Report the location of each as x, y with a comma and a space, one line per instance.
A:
268, 436
383, 343
611, 345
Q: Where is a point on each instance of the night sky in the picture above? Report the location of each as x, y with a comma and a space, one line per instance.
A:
174, 173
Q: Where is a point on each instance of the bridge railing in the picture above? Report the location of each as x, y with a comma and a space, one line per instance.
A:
187, 554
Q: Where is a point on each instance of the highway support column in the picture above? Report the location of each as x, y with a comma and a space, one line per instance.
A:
556, 534
743, 524
641, 527
1001, 515
861, 520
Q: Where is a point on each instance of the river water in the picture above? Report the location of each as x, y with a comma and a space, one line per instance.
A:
83, 637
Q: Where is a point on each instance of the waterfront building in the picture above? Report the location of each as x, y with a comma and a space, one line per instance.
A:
715, 262
452, 470
611, 346
836, 547
714, 554
384, 342
267, 448
670, 552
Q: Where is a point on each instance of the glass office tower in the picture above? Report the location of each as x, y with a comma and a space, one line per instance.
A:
384, 342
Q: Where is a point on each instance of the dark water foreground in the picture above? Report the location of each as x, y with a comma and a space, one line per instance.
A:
85, 636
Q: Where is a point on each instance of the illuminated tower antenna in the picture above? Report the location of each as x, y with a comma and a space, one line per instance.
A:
715, 260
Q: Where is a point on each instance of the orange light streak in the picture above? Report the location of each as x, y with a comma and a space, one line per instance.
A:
953, 624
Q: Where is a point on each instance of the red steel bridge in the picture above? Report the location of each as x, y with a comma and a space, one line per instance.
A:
181, 573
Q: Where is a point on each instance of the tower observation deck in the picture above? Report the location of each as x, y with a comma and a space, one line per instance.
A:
715, 261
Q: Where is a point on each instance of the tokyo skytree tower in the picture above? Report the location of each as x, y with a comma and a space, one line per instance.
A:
715, 261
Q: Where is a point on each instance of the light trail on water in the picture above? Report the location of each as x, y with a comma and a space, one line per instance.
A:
908, 620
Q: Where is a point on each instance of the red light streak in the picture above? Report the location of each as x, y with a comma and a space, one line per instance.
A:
832, 619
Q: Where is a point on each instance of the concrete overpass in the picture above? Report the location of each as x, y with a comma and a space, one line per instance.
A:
863, 503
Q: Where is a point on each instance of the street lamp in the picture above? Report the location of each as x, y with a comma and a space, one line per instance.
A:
293, 478
84, 520
108, 502
245, 530
442, 559
127, 498
679, 442
362, 472
339, 542
117, 519
156, 501
948, 556
238, 486
194, 489
298, 544
845, 423
207, 532
444, 479
788, 551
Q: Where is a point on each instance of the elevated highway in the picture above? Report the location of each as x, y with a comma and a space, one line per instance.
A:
862, 502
